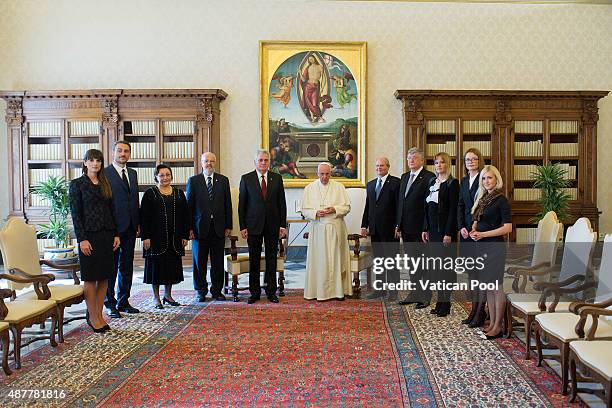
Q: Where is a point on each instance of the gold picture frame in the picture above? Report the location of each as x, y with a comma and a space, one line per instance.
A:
313, 98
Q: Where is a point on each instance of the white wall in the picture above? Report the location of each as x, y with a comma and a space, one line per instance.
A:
82, 44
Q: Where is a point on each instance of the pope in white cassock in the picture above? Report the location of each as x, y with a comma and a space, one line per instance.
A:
325, 204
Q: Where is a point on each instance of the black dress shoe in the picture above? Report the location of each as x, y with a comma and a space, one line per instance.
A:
202, 298
273, 298
159, 306
436, 309
421, 305
171, 302
406, 301
220, 298
113, 312
128, 309
252, 299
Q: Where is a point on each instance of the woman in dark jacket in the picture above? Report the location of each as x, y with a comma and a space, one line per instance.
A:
91, 208
164, 228
467, 194
441, 225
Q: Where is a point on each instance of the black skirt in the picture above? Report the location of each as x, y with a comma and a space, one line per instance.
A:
164, 269
100, 264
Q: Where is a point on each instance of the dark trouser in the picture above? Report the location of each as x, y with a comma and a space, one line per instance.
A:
124, 270
271, 243
201, 248
449, 276
415, 248
382, 246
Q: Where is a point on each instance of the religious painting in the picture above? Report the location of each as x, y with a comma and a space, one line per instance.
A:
313, 98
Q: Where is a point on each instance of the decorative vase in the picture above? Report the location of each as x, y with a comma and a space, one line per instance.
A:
60, 255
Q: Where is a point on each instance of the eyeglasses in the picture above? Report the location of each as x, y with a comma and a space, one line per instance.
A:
471, 159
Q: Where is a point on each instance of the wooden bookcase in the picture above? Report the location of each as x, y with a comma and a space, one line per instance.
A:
515, 131
49, 132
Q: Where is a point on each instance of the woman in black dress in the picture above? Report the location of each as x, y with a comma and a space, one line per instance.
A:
467, 194
164, 229
91, 208
492, 221
441, 224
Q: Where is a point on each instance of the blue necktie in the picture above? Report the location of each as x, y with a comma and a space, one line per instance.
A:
378, 188
209, 186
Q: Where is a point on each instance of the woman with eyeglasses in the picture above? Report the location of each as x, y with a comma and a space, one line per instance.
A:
440, 226
467, 194
492, 222
164, 228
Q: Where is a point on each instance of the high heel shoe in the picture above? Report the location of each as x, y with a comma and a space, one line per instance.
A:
159, 306
171, 302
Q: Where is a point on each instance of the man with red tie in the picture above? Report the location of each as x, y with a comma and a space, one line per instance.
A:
262, 213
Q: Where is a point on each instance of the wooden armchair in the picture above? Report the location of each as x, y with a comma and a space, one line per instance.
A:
561, 329
237, 262
579, 242
20, 314
20, 255
593, 356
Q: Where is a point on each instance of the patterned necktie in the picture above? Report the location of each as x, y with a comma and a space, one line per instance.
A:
378, 188
125, 180
410, 181
209, 186
264, 187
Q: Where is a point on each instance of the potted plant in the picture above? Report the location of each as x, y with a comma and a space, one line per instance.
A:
551, 179
54, 190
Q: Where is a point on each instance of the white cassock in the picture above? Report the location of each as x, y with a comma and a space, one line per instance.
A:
328, 259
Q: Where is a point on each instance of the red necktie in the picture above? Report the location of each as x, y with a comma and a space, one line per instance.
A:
264, 188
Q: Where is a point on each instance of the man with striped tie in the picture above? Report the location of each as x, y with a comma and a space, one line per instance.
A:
210, 203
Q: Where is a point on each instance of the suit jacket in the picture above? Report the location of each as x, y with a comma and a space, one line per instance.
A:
125, 201
201, 208
411, 209
261, 216
466, 201
379, 215
447, 208
90, 211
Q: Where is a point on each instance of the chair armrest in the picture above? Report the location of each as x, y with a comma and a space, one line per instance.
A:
39, 282
540, 269
594, 312
552, 285
356, 238
73, 268
16, 271
519, 259
5, 293
557, 292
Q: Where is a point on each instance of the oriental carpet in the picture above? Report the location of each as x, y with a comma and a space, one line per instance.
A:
295, 353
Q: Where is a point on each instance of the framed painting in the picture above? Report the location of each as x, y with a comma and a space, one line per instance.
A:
313, 97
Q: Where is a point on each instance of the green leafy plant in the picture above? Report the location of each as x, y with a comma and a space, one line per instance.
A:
551, 179
54, 190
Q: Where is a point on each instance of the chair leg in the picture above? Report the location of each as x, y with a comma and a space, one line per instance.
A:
281, 283
509, 320
538, 339
60, 324
226, 286
235, 287
574, 379
17, 345
53, 327
528, 322
564, 367
369, 278
5, 352
608, 392
356, 284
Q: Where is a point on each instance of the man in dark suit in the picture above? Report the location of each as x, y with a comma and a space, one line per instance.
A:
210, 203
414, 187
262, 211
124, 184
379, 218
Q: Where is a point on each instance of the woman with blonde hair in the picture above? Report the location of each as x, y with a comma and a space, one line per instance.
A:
440, 225
492, 221
91, 208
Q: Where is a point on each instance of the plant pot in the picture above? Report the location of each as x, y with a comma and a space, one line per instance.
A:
60, 255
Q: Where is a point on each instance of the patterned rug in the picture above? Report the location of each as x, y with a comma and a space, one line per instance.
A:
295, 353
